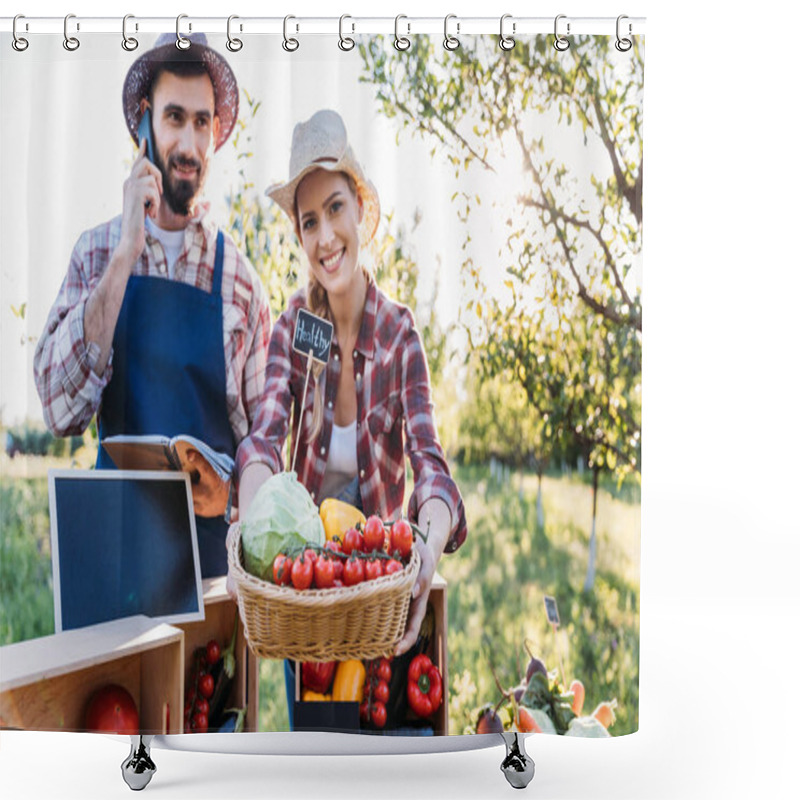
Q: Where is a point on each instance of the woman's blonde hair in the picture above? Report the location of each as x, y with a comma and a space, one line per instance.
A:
317, 302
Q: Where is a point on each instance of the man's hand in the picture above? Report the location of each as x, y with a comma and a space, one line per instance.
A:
209, 491
144, 186
230, 585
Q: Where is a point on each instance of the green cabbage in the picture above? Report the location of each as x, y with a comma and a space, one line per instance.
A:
281, 519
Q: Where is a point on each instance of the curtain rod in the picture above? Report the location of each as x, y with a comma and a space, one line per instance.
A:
300, 25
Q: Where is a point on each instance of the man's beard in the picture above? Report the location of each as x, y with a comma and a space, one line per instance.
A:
179, 194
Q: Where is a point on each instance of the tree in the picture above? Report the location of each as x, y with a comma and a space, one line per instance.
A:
569, 325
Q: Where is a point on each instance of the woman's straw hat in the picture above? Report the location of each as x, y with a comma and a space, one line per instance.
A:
321, 143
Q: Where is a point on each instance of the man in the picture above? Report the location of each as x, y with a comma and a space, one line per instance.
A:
161, 324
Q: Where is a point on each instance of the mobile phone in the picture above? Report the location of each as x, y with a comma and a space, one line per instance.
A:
146, 133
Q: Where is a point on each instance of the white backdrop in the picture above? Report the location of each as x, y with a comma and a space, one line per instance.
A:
720, 533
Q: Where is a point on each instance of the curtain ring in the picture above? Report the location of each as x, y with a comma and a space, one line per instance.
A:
506, 42
19, 43
129, 43
233, 44
345, 42
623, 45
181, 42
561, 44
70, 42
290, 44
400, 42
451, 42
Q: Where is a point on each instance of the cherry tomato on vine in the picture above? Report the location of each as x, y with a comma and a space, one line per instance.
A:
353, 571
206, 685
324, 573
381, 692
378, 714
392, 566
302, 573
384, 671
373, 569
200, 723
401, 538
374, 534
282, 570
201, 706
353, 540
213, 652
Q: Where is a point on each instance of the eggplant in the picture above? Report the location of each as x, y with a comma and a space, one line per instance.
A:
223, 672
232, 721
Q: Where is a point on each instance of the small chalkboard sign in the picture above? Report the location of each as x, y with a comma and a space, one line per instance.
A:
313, 335
551, 609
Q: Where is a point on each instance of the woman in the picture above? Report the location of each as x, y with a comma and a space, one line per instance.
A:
372, 400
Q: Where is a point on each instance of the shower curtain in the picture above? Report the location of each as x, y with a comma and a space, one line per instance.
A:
486, 198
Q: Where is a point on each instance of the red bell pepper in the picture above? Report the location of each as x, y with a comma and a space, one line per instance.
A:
424, 686
318, 676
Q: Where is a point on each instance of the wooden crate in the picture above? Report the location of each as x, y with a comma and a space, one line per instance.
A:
437, 651
46, 683
220, 612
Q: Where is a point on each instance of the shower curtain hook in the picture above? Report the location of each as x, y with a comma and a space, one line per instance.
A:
129, 43
401, 42
71, 43
623, 45
19, 43
507, 42
181, 42
345, 42
561, 43
290, 44
233, 44
451, 42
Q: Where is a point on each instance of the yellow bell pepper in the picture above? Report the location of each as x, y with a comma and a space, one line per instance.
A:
337, 517
314, 697
348, 685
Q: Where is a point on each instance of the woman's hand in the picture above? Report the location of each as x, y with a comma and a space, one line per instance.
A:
435, 517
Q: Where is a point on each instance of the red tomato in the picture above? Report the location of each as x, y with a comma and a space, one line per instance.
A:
378, 714
353, 540
374, 534
401, 538
206, 685
381, 692
334, 544
282, 570
392, 566
213, 652
302, 573
384, 671
201, 706
373, 569
112, 710
200, 723
310, 554
363, 711
324, 573
353, 571
338, 569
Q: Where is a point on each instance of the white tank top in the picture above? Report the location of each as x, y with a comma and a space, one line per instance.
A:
342, 464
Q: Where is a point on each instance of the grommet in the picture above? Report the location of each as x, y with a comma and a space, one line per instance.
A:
400, 42
623, 44
233, 44
451, 42
290, 44
19, 43
181, 42
71, 43
561, 44
345, 42
506, 42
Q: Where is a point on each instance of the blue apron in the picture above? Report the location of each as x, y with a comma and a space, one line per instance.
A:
169, 378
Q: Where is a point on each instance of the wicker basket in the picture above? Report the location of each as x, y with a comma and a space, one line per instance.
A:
355, 622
